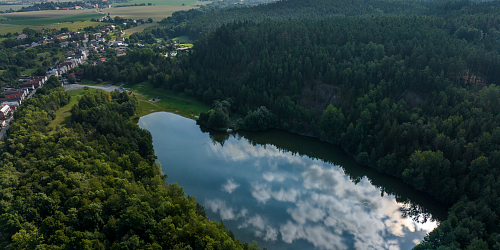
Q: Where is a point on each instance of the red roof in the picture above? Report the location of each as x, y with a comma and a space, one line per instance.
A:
13, 95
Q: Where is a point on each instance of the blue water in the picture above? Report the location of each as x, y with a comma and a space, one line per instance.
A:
290, 192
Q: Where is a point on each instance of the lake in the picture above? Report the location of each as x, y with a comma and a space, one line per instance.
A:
287, 191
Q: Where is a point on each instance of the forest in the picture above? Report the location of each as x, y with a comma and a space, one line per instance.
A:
95, 185
415, 96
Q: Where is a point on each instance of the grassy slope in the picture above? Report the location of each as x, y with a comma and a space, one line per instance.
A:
63, 114
157, 13
139, 28
6, 28
177, 103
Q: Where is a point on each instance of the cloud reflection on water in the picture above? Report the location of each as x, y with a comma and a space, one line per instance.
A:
323, 211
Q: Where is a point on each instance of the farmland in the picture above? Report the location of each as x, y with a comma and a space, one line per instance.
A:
157, 12
139, 28
159, 2
41, 18
14, 7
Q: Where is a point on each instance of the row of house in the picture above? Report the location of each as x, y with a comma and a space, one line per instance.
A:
72, 61
15, 97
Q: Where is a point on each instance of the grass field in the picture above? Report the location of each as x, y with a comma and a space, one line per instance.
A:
6, 28
170, 101
63, 115
158, 2
181, 39
46, 17
14, 7
157, 13
139, 28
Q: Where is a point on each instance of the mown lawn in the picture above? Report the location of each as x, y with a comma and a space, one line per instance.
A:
63, 115
170, 101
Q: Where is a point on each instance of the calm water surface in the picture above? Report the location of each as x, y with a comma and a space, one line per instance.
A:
288, 191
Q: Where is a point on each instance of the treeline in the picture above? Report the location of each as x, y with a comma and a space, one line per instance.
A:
48, 6
95, 185
195, 25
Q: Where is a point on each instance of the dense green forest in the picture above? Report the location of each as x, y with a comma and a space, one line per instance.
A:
193, 24
95, 185
413, 96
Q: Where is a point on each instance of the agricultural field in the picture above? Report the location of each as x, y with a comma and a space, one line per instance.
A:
47, 17
158, 2
157, 13
6, 28
139, 28
14, 7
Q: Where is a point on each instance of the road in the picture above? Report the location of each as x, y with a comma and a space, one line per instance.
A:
107, 88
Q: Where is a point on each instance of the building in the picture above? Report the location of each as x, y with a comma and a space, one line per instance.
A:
4, 110
23, 92
183, 50
62, 36
11, 101
29, 85
22, 36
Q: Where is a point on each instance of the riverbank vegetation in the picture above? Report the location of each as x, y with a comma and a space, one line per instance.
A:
94, 185
413, 96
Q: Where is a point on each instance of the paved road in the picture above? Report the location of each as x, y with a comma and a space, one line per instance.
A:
107, 88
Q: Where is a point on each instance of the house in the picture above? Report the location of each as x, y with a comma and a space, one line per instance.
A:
121, 33
83, 35
22, 36
15, 96
100, 39
10, 101
29, 85
78, 7
119, 39
64, 44
75, 45
96, 35
23, 92
183, 50
42, 79
68, 8
4, 110
102, 60
54, 72
34, 44
62, 36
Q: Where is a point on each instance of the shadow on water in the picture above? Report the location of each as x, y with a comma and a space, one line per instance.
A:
417, 205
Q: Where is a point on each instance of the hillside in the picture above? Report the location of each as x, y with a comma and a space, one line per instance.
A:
194, 23
413, 96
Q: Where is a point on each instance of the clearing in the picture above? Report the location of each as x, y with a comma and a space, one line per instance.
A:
177, 103
63, 115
